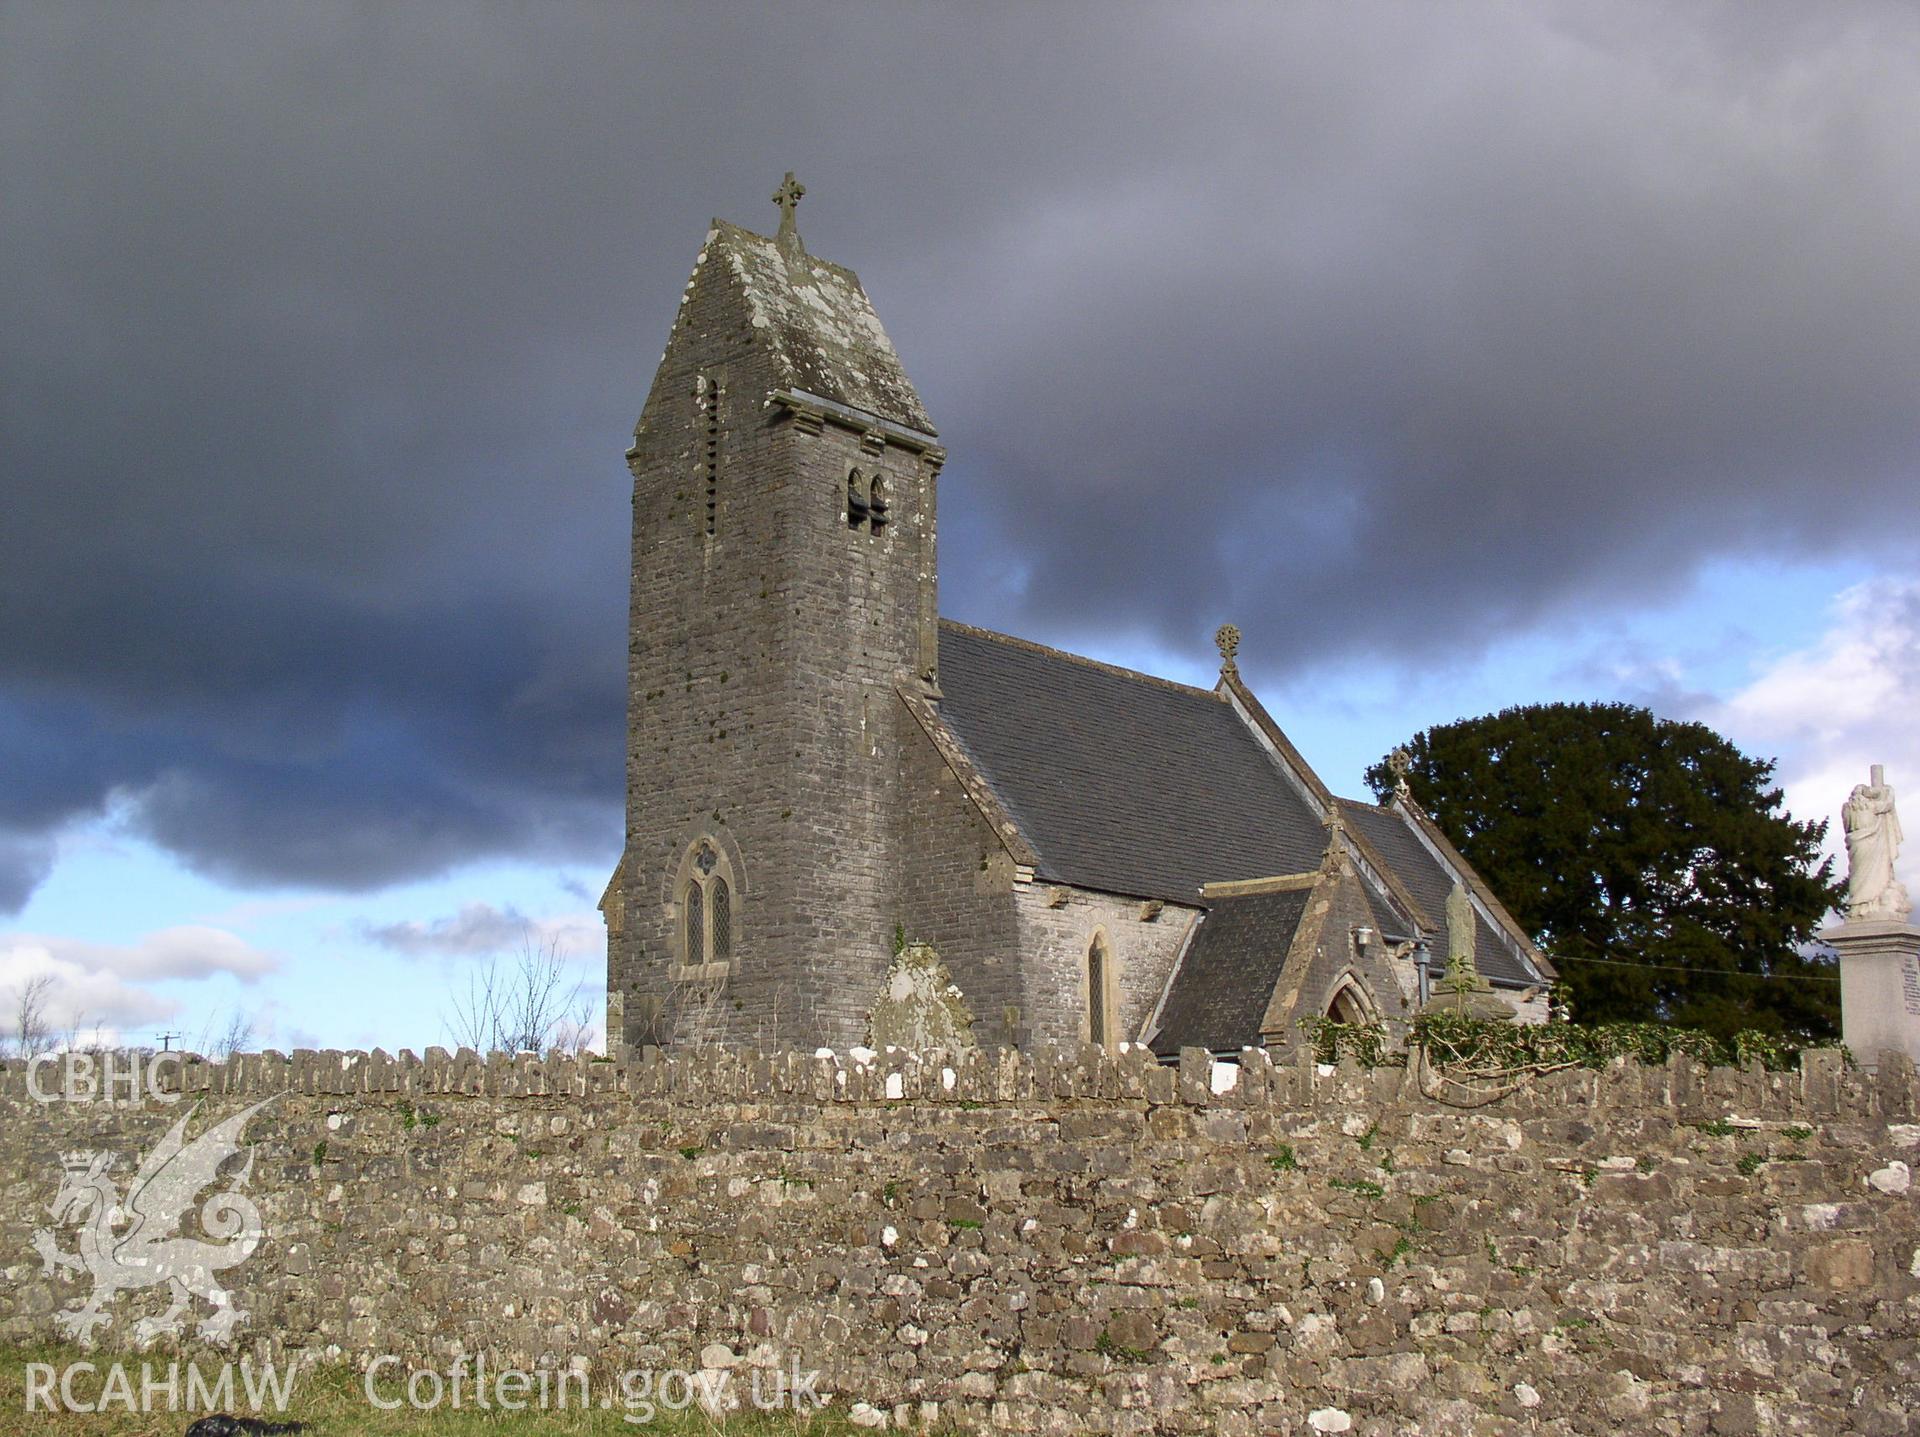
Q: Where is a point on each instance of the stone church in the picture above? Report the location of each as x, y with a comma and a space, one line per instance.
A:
820, 768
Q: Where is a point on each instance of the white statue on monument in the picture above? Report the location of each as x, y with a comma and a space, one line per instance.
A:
1873, 843
1879, 949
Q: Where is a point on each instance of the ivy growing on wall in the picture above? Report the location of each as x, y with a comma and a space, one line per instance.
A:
1456, 1041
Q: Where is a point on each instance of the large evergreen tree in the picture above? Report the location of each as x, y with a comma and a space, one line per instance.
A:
1651, 860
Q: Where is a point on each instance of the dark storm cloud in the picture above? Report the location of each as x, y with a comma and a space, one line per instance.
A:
1374, 328
24, 861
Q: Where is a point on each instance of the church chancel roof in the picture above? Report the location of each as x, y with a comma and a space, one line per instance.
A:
1398, 839
1124, 783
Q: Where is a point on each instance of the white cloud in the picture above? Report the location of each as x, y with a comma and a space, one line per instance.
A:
187, 951
1849, 700
80, 998
99, 985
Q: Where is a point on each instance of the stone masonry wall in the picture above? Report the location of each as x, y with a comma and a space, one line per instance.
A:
1076, 1242
764, 654
955, 885
1054, 942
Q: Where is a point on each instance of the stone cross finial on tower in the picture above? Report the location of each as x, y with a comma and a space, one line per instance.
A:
1398, 762
1226, 638
788, 196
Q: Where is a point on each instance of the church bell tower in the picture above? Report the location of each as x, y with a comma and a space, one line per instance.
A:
784, 476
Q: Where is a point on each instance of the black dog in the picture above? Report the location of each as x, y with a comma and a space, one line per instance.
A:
221, 1425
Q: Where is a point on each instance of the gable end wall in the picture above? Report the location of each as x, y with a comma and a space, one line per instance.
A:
1324, 953
1053, 943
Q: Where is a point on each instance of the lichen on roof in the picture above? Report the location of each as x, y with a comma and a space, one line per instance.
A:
819, 326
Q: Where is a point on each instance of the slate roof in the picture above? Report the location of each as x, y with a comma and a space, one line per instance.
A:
1121, 782
1392, 834
1229, 973
1125, 783
819, 326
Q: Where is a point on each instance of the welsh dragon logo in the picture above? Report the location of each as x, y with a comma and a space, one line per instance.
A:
138, 1244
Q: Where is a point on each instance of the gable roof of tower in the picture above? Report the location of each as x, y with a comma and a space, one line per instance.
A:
817, 325
1121, 782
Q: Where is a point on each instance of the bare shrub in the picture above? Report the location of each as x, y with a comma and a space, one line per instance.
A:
31, 1031
527, 1006
222, 1044
84, 1034
698, 1016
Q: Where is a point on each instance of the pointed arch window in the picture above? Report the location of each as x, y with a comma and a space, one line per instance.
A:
1352, 1004
695, 908
705, 895
1100, 1005
720, 929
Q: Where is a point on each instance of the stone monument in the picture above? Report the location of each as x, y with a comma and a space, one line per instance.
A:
920, 1009
1878, 944
1463, 989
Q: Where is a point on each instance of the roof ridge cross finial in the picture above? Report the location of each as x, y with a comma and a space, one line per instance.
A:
1398, 762
788, 196
1227, 639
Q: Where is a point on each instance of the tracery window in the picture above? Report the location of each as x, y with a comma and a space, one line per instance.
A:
706, 908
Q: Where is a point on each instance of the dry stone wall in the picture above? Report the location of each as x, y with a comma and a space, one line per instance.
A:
1077, 1242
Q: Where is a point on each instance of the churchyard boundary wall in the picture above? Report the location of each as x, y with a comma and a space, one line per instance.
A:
1066, 1241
